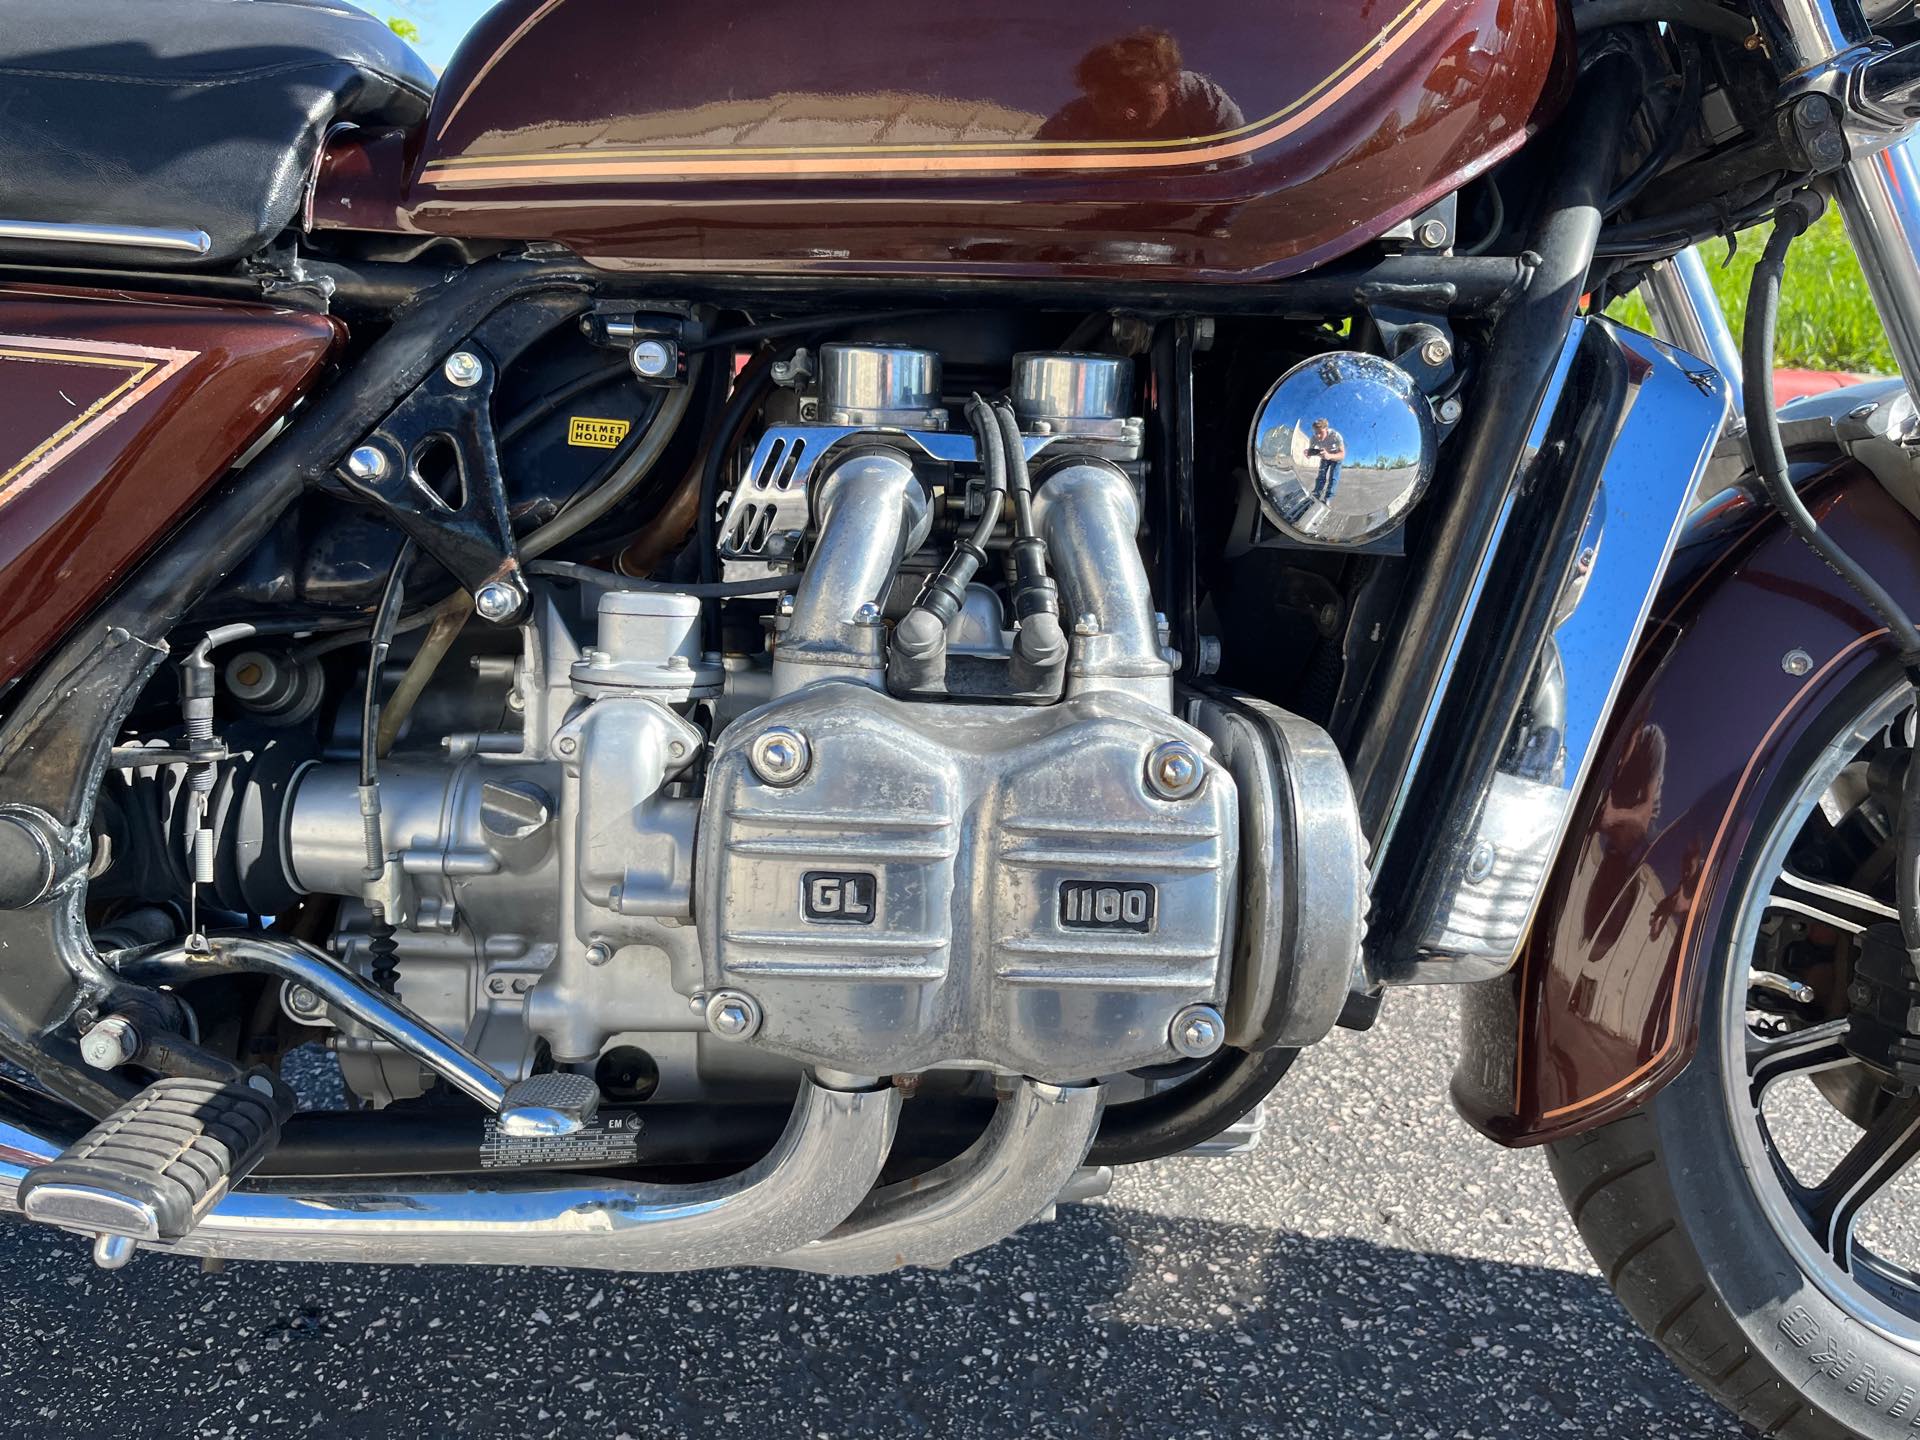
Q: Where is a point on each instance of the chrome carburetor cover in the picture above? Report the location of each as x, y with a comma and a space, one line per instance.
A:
967, 884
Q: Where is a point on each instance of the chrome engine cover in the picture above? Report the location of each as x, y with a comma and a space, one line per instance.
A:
961, 837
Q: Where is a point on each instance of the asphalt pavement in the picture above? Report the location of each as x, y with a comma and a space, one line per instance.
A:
1374, 1270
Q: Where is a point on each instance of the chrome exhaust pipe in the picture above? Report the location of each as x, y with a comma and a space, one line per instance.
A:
1028, 1158
823, 1166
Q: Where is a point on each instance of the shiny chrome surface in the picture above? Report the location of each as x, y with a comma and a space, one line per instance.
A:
132, 237
1028, 1156
1089, 516
880, 385
340, 988
1879, 198
771, 509
1056, 387
1687, 315
873, 511
1491, 863
1342, 448
819, 1171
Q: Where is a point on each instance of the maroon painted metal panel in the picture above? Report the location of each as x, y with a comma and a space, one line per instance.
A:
1605, 1006
1188, 139
116, 413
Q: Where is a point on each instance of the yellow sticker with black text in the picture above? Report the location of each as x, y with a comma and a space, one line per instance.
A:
597, 434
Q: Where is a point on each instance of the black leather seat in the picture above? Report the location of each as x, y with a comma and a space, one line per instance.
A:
182, 115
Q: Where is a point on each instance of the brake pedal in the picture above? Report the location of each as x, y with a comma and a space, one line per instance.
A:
152, 1169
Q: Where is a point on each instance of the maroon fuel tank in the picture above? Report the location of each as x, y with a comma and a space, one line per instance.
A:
1160, 139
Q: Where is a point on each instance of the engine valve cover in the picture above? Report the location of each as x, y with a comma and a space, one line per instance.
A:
964, 885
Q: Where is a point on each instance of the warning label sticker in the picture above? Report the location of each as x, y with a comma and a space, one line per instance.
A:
609, 1139
596, 434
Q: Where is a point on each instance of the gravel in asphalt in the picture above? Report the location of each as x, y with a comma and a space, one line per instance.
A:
1375, 1269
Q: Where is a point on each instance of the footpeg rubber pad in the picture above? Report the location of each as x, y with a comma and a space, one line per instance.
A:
157, 1164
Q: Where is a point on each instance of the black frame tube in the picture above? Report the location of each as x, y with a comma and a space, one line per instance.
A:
1521, 353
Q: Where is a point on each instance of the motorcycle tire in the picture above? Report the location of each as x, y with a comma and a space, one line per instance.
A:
1677, 1217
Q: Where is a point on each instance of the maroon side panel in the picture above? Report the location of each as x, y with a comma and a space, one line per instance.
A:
1605, 1007
1160, 139
116, 413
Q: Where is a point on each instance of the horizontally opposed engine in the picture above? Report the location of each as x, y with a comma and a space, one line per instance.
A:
901, 835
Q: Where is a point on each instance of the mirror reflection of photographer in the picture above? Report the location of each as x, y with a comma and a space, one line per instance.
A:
1138, 88
1329, 447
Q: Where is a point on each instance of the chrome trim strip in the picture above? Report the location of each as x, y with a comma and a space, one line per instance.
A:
131, 237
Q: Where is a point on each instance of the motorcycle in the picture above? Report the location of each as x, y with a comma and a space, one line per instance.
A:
790, 641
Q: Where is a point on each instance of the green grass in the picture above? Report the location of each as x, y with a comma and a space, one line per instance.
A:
1827, 320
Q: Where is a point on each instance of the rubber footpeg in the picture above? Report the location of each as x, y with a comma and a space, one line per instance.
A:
154, 1167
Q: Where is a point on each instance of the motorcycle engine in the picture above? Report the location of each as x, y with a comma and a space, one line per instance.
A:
852, 842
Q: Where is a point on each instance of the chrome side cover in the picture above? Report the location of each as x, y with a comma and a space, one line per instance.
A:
1481, 843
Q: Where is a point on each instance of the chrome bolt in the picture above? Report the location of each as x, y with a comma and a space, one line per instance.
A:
111, 1252
1432, 233
1796, 662
566, 745
780, 756
697, 1002
1480, 862
1449, 411
1197, 1031
867, 614
1087, 625
496, 601
599, 953
651, 359
1861, 412
110, 1044
1175, 769
733, 1015
786, 605
463, 368
367, 462
303, 1001
1436, 351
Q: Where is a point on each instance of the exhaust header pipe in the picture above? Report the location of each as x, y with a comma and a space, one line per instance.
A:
822, 1168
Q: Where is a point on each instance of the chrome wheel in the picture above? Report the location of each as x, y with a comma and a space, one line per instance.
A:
1828, 1150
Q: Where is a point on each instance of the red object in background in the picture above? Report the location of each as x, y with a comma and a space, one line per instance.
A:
1793, 384
116, 413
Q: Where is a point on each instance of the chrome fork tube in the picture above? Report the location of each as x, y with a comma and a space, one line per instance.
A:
1881, 210
1875, 189
1687, 315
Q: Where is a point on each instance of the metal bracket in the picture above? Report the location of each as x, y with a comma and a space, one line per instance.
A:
432, 465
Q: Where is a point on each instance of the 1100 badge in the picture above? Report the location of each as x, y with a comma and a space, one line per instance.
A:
1097, 905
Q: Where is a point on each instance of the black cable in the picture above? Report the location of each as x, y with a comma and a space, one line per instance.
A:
749, 389
1700, 15
779, 329
1675, 230
1686, 109
1499, 207
719, 590
1790, 221
551, 401
385, 621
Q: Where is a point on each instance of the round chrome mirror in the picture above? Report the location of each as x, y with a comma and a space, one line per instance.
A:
1342, 447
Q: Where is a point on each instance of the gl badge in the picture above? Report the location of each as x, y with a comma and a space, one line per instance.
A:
839, 897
